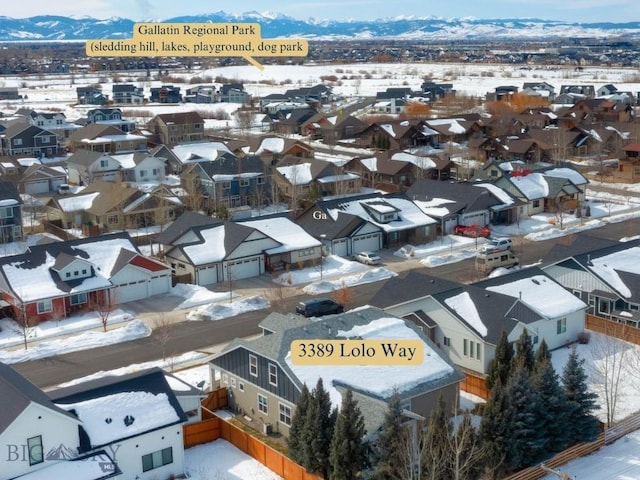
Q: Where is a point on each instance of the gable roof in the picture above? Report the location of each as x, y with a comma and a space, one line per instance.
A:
104, 404
17, 393
185, 222
408, 287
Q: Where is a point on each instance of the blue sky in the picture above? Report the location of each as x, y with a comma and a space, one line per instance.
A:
566, 10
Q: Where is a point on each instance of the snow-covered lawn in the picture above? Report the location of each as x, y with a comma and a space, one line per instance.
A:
218, 311
333, 267
83, 341
196, 295
220, 460
371, 275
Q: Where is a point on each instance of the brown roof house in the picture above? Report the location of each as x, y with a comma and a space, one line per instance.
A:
174, 128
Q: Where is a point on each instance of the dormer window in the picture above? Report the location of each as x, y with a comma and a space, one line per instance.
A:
389, 217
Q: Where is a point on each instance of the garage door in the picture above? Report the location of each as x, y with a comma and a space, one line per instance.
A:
129, 292
37, 186
208, 275
449, 224
370, 242
474, 219
339, 248
249, 267
160, 284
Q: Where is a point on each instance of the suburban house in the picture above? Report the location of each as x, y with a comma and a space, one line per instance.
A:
628, 170
105, 138
332, 127
233, 93
264, 384
174, 128
399, 220
41, 179
201, 94
228, 181
466, 321
91, 96
179, 156
85, 167
453, 203
140, 167
273, 149
289, 122
345, 235
394, 135
165, 94
9, 93
606, 278
127, 93
540, 188
110, 116
51, 280
110, 206
312, 179
11, 205
26, 139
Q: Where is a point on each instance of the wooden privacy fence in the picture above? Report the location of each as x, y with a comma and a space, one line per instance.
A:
475, 385
613, 329
610, 435
216, 400
209, 430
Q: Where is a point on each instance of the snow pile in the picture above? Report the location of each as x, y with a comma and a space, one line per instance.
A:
195, 295
218, 311
332, 266
369, 276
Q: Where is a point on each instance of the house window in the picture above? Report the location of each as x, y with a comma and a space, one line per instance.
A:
157, 459
253, 365
67, 274
477, 351
36, 453
471, 349
466, 347
536, 203
244, 183
285, 414
17, 141
233, 382
44, 306
143, 173
447, 341
104, 163
241, 386
273, 375
226, 185
78, 299
225, 379
561, 326
263, 404
112, 219
6, 212
260, 180
45, 139
84, 271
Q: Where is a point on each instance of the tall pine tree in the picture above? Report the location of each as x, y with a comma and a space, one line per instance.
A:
496, 432
319, 426
542, 354
524, 351
295, 442
501, 364
553, 402
347, 450
436, 452
581, 403
392, 444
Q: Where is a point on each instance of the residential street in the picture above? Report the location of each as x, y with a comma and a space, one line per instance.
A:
210, 336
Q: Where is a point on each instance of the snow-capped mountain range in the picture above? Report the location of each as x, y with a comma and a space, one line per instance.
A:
48, 27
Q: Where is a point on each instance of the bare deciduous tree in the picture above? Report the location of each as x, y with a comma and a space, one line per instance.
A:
103, 303
162, 332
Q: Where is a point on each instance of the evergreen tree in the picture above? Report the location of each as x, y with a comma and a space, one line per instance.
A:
295, 441
553, 402
392, 443
583, 426
347, 451
436, 453
524, 351
527, 440
501, 364
496, 431
542, 354
318, 431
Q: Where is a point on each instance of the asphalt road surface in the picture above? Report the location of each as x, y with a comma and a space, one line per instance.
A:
188, 336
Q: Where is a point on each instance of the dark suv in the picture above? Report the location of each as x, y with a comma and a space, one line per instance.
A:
318, 307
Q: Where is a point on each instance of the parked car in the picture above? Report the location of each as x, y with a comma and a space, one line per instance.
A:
317, 307
497, 245
486, 262
471, 231
368, 258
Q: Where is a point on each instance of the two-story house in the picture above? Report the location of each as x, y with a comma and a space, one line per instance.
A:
10, 213
26, 139
174, 128
127, 93
106, 137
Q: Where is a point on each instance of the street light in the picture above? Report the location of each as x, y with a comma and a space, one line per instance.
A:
322, 237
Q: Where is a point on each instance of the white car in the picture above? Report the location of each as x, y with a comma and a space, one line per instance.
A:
368, 258
497, 245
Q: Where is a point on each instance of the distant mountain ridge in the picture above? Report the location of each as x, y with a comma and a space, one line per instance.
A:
274, 25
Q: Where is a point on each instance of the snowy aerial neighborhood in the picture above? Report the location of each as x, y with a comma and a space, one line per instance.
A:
167, 233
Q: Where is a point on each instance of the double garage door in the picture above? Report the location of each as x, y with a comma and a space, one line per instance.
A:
141, 289
367, 243
245, 268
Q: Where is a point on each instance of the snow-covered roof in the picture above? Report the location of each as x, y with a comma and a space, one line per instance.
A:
211, 250
338, 178
532, 186
497, 192
434, 207
299, 174
543, 295
200, 151
608, 266
123, 415
379, 380
271, 144
290, 235
463, 305
78, 202
418, 161
126, 137
569, 173
371, 163
228, 178
409, 214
